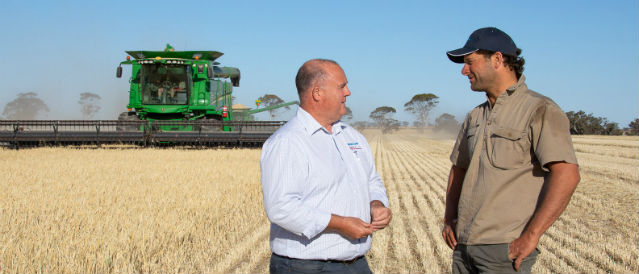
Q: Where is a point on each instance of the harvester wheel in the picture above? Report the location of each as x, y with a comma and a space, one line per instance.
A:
127, 117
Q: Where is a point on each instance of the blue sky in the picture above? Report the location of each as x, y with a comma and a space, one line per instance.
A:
582, 54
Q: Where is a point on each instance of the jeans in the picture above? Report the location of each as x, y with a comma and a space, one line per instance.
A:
285, 265
488, 259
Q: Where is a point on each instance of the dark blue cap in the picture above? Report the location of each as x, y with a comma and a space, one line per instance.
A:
492, 39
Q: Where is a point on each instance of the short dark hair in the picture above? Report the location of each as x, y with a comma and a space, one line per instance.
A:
311, 72
515, 63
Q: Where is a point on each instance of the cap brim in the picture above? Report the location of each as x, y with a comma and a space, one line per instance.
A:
457, 55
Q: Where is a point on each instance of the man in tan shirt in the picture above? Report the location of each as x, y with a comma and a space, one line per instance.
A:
514, 168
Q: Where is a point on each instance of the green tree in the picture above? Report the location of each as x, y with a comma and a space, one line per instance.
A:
634, 127
90, 104
383, 117
582, 123
421, 105
612, 128
269, 100
27, 106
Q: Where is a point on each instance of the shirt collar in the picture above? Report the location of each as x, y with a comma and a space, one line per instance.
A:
510, 91
520, 83
312, 126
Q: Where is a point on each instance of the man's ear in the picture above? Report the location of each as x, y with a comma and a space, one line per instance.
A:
497, 59
315, 93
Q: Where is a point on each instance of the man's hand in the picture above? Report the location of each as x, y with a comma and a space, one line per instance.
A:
350, 227
521, 247
448, 233
557, 190
455, 182
380, 215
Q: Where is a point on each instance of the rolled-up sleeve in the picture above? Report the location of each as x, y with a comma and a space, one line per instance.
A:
284, 172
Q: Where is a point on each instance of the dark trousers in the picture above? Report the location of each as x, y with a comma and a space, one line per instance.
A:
285, 265
488, 259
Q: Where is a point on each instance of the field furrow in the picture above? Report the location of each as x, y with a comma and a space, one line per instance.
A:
602, 213
548, 259
576, 249
201, 211
429, 188
427, 209
262, 265
566, 246
597, 160
244, 255
572, 252
616, 260
382, 252
410, 213
402, 246
625, 153
607, 141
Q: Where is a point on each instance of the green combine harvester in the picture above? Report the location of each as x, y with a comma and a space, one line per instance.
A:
175, 97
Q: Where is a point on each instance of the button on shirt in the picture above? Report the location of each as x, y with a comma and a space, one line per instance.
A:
309, 174
505, 149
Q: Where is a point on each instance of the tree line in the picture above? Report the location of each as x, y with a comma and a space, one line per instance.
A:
588, 124
422, 104
27, 106
419, 106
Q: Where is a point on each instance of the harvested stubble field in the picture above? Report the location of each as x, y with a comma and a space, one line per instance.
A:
168, 210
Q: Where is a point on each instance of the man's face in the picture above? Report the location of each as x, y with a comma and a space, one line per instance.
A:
479, 71
335, 91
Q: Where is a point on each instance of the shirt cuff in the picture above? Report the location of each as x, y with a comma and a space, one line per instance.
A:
379, 197
318, 226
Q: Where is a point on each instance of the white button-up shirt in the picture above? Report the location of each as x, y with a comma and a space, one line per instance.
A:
309, 174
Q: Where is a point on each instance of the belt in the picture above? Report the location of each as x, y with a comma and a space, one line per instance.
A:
347, 262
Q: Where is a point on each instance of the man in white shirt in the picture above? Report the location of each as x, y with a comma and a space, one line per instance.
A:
321, 191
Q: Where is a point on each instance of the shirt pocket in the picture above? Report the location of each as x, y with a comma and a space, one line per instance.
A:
510, 148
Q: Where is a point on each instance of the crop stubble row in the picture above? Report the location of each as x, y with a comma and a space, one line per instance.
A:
616, 249
210, 219
597, 233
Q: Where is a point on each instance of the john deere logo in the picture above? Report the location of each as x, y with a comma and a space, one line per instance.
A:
162, 109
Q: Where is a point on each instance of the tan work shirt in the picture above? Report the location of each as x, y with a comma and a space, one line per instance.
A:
504, 149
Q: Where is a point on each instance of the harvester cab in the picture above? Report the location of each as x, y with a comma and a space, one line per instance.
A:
178, 85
